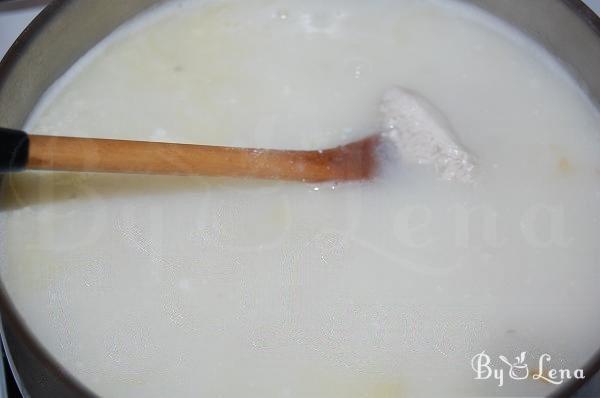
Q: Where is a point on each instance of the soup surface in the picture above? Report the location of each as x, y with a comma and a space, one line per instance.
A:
169, 286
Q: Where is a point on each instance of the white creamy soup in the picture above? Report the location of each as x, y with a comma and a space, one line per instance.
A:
174, 286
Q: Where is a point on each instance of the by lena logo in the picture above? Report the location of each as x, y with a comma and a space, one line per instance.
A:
518, 369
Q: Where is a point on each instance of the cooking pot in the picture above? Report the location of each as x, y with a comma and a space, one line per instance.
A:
66, 29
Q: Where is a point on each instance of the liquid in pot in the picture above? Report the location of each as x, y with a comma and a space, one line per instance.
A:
154, 286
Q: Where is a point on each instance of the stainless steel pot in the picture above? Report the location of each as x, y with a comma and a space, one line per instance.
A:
68, 28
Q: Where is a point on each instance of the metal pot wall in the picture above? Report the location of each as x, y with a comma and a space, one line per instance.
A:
68, 28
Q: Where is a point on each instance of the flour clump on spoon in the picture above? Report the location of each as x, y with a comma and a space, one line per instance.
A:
423, 135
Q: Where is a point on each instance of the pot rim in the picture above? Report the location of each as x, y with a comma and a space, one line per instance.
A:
8, 311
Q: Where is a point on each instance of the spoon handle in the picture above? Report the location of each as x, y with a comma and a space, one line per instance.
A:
14, 150
119, 156
39, 152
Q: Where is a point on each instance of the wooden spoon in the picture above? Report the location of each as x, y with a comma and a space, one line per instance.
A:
19, 151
